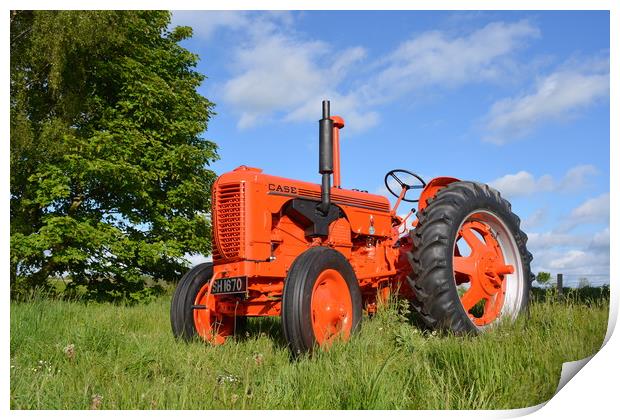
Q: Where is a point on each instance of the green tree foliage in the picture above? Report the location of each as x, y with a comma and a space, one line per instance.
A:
543, 277
109, 178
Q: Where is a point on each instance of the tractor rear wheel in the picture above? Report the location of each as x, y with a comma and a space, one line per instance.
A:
322, 301
470, 263
191, 311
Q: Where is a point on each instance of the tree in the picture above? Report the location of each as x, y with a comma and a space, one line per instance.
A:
583, 282
543, 278
109, 177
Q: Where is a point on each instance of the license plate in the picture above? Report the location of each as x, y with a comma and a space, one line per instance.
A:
229, 285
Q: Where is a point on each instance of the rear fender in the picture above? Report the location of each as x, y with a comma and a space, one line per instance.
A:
432, 188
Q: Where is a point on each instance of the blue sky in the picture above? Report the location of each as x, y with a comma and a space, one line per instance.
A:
519, 100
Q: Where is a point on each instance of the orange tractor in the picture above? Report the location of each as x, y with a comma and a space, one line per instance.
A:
319, 255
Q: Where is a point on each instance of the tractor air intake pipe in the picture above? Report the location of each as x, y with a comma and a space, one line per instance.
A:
326, 156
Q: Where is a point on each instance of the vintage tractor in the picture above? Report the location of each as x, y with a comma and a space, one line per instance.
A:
319, 255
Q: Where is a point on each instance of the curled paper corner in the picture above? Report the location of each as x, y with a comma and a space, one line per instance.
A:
570, 369
518, 412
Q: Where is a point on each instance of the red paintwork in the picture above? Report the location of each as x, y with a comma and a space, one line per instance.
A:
338, 125
433, 188
484, 269
253, 237
331, 308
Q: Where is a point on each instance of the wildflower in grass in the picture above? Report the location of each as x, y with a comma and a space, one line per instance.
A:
70, 351
42, 366
227, 378
96, 401
258, 358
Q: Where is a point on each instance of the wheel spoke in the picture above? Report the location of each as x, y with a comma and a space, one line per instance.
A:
492, 308
475, 244
398, 180
472, 296
464, 265
489, 306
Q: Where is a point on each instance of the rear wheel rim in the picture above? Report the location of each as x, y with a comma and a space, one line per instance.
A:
213, 328
487, 269
331, 309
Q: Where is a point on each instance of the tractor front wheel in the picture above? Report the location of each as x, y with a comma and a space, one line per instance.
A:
192, 309
470, 263
322, 301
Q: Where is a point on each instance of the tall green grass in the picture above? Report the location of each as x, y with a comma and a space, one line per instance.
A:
124, 357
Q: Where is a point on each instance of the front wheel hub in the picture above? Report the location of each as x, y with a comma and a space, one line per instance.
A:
331, 308
213, 326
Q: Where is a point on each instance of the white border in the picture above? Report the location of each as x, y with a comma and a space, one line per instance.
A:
592, 393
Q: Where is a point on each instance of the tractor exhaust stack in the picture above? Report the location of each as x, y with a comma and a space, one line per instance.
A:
326, 156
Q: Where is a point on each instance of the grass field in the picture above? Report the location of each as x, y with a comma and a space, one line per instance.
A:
71, 355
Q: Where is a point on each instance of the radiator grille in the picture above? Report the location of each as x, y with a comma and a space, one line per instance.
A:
229, 220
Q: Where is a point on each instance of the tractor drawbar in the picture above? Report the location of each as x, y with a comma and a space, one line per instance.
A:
326, 156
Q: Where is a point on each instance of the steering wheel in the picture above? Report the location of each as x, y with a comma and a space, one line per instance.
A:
407, 187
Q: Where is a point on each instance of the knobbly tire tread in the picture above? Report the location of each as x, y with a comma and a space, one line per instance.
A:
297, 294
181, 312
432, 279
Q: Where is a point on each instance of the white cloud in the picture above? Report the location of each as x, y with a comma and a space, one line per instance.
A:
583, 261
535, 219
570, 259
557, 96
594, 210
553, 239
571, 262
600, 240
570, 254
577, 178
347, 106
435, 58
577, 254
204, 24
524, 183
278, 74
195, 259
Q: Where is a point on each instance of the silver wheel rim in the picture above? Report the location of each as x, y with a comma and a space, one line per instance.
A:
515, 282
